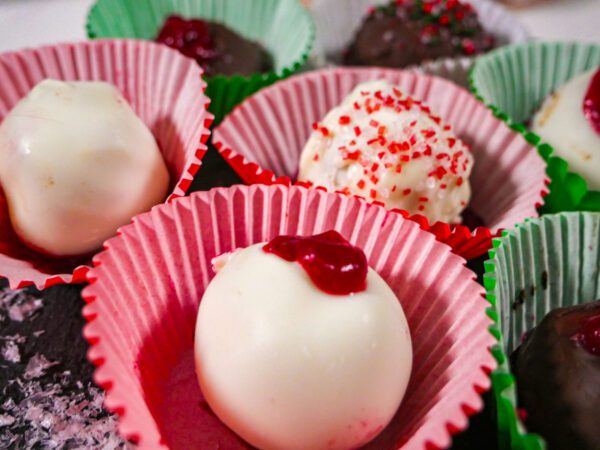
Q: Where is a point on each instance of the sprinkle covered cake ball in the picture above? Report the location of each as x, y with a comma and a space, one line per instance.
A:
407, 32
387, 147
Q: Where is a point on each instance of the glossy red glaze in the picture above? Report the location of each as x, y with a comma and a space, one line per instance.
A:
591, 102
332, 263
191, 37
588, 335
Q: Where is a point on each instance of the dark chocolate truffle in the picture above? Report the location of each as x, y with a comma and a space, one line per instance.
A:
217, 49
408, 32
558, 378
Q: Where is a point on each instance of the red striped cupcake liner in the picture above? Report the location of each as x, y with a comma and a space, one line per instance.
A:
146, 286
165, 90
263, 138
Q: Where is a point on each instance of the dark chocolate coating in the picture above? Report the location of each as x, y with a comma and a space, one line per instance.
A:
402, 35
558, 381
237, 55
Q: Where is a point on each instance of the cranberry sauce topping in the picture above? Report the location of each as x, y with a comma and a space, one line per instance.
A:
588, 335
332, 263
192, 38
591, 102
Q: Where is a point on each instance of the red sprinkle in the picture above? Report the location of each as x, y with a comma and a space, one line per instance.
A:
373, 194
355, 155
361, 184
407, 191
357, 131
468, 46
332, 263
344, 120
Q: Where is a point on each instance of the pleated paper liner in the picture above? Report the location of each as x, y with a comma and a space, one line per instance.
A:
514, 82
541, 265
145, 289
284, 27
263, 139
165, 90
338, 21
456, 70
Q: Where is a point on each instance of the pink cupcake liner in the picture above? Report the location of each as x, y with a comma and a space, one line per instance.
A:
145, 289
165, 90
263, 139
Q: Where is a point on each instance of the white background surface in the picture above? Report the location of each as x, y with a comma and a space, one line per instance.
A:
26, 23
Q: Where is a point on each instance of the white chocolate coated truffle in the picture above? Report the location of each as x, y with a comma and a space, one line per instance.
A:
287, 366
76, 163
387, 147
561, 123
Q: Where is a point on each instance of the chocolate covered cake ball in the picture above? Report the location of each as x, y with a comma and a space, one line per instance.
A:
569, 120
217, 49
77, 163
408, 32
558, 377
300, 345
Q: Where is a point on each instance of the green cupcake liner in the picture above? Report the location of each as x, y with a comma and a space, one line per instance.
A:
514, 81
284, 27
540, 265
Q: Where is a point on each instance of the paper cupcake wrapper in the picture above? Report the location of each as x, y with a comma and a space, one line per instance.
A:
514, 82
168, 98
338, 21
284, 27
564, 250
456, 70
141, 327
263, 139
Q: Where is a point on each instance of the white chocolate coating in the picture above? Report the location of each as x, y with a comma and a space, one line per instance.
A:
76, 163
287, 366
561, 123
427, 173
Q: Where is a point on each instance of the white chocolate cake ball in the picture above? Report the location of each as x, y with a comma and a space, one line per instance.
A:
387, 147
76, 163
288, 366
561, 122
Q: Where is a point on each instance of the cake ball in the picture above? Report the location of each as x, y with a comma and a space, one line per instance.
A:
387, 147
409, 32
558, 377
76, 163
569, 120
300, 345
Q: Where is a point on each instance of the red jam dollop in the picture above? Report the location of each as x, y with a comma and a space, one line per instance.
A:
191, 37
588, 335
591, 103
332, 263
